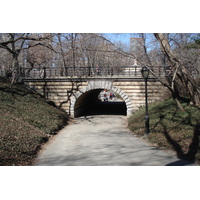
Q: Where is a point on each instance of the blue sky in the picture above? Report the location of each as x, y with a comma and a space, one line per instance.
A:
124, 37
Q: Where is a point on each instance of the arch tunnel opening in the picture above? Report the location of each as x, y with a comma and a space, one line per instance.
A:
99, 102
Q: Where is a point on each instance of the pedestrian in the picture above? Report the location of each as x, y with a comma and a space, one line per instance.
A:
111, 96
105, 97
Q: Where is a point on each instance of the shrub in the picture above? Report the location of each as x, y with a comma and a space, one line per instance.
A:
171, 128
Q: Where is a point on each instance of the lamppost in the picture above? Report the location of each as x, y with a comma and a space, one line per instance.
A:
145, 74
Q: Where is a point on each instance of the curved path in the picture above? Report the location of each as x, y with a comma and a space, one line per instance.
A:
102, 140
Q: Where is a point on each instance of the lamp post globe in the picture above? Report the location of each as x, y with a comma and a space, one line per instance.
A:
145, 72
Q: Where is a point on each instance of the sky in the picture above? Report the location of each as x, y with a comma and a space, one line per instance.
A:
114, 37
125, 38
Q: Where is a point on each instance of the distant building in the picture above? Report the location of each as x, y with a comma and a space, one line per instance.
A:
136, 44
137, 48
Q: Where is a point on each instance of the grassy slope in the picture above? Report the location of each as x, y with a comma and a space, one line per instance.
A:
26, 121
171, 128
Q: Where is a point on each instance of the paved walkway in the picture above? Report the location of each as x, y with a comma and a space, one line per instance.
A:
102, 141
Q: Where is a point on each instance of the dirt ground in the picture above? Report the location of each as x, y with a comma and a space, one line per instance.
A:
102, 140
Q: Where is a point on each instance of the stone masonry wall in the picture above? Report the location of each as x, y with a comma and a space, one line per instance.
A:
65, 93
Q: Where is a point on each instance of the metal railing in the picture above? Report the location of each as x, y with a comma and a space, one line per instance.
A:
116, 71
58, 72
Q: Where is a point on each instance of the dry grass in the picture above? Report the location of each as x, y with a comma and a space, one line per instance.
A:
26, 122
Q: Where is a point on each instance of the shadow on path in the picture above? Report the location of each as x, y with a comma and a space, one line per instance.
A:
193, 148
180, 163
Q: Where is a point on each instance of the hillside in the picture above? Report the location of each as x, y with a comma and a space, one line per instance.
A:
171, 129
27, 121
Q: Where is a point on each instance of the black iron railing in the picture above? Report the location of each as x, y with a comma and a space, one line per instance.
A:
117, 71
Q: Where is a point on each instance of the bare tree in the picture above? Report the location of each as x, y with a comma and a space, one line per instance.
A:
180, 72
88, 50
14, 43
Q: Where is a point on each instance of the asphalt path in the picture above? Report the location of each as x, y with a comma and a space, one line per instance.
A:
102, 140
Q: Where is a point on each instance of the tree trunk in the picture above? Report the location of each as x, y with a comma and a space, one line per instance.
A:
193, 91
180, 70
62, 54
15, 69
73, 49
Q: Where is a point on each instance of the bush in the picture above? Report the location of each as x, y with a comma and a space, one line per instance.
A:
171, 128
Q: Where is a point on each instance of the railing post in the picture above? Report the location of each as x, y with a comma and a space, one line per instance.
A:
44, 72
159, 71
111, 71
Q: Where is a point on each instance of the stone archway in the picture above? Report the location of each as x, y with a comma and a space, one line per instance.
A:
103, 84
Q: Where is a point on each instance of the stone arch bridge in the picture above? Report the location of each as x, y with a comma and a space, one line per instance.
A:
77, 93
